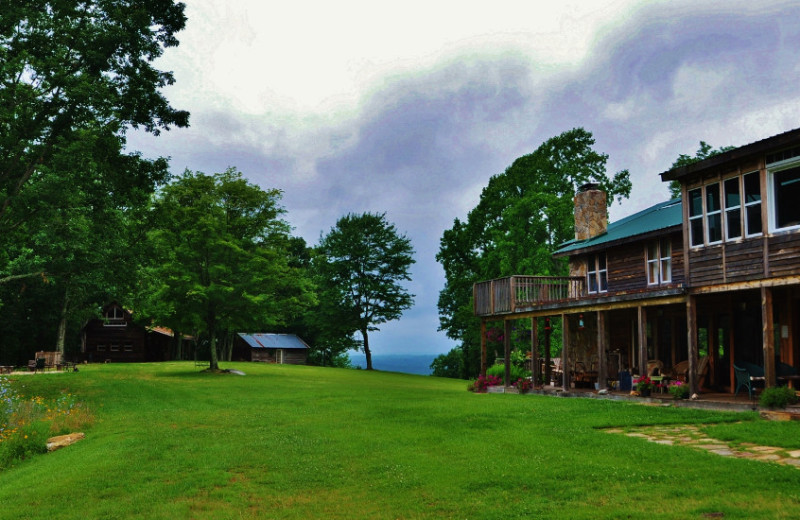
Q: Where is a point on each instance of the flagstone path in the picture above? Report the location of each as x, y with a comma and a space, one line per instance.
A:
693, 437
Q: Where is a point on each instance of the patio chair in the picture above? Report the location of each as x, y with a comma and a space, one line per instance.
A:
655, 367
746, 375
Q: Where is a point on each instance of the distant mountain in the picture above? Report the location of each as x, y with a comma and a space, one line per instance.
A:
419, 364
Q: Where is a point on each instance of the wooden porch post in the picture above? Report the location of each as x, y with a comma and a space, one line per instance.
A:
768, 336
602, 376
507, 352
564, 348
691, 331
534, 353
642, 340
548, 329
483, 347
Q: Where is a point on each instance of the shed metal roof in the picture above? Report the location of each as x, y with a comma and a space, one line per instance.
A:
265, 340
660, 216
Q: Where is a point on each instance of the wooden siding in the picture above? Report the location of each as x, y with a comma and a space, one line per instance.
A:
784, 254
706, 266
627, 267
744, 260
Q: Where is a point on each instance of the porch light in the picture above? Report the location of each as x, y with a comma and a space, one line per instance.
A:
547, 324
580, 322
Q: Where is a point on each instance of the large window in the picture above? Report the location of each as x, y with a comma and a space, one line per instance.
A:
114, 317
727, 210
785, 187
597, 274
659, 261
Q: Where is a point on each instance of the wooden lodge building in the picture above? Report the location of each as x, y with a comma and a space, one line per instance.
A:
116, 338
698, 287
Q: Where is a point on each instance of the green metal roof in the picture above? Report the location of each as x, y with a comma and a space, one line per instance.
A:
661, 216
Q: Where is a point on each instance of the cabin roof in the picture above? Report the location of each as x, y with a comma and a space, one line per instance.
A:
269, 340
659, 217
769, 144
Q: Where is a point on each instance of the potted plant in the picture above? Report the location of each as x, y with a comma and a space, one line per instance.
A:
644, 385
679, 390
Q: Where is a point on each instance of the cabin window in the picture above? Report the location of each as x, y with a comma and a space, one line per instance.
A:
127, 347
713, 214
100, 348
752, 203
696, 217
597, 274
733, 209
114, 348
114, 317
659, 261
785, 188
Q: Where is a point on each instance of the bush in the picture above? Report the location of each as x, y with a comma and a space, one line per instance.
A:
500, 371
482, 383
777, 397
679, 390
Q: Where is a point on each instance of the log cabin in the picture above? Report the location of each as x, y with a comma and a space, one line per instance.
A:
695, 287
270, 348
116, 338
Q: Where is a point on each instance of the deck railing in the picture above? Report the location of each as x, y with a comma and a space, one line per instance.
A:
514, 293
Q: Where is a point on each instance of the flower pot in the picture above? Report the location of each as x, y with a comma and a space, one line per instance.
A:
644, 392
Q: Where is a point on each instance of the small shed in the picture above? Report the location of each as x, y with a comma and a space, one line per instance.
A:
271, 348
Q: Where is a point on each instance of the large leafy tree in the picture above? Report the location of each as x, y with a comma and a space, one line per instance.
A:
522, 216
67, 67
361, 265
222, 258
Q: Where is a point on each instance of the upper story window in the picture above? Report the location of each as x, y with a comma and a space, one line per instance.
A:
114, 317
726, 210
597, 274
784, 187
659, 261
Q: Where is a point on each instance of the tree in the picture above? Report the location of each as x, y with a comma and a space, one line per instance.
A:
222, 259
68, 67
522, 216
704, 151
361, 262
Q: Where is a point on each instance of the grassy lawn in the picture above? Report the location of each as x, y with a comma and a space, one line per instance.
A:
169, 441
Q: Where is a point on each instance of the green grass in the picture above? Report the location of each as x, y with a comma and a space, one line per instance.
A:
170, 442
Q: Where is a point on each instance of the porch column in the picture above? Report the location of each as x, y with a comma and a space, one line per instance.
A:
534, 352
483, 347
642, 315
691, 332
768, 337
507, 352
602, 376
548, 329
564, 348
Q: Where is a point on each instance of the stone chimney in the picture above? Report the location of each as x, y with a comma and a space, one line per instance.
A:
591, 218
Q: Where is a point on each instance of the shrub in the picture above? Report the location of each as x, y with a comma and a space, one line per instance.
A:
523, 384
482, 383
777, 397
679, 390
500, 370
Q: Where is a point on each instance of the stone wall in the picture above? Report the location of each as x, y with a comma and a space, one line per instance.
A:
591, 216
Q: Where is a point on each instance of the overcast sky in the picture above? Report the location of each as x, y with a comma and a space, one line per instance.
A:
409, 107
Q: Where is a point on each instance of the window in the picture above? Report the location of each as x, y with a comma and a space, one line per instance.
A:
752, 203
101, 348
713, 214
696, 217
115, 317
659, 261
127, 347
114, 348
733, 209
785, 194
597, 274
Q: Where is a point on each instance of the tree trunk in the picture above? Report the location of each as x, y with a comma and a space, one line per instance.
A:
212, 346
62, 324
367, 352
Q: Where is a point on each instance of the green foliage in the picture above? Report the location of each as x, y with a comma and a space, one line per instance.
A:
500, 371
777, 397
522, 216
221, 259
449, 365
704, 151
679, 390
359, 267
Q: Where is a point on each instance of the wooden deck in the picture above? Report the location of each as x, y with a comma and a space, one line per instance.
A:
510, 294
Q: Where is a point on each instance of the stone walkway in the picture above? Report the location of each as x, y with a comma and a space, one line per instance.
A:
693, 437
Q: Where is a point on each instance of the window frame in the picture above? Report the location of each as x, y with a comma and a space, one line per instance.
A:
772, 170
663, 274
747, 205
594, 271
698, 224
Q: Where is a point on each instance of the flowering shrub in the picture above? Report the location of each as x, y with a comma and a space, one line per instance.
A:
643, 383
679, 389
482, 383
523, 384
27, 422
